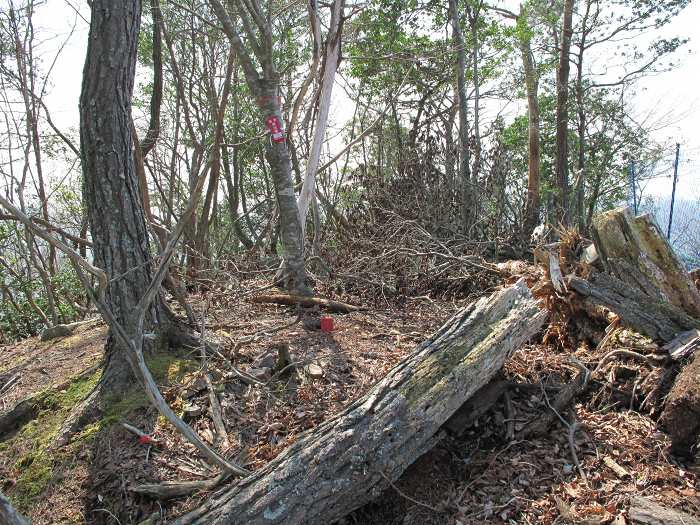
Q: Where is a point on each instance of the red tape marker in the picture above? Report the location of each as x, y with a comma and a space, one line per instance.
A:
275, 127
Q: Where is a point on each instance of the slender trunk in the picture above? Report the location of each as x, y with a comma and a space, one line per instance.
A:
532, 206
562, 117
463, 167
581, 127
265, 89
329, 69
474, 27
219, 109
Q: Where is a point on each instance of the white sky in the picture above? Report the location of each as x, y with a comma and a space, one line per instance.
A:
672, 98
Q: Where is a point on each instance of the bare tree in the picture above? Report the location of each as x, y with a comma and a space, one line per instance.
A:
264, 85
561, 165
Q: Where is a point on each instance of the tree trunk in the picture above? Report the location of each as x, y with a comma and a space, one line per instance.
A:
8, 514
643, 511
562, 117
532, 207
651, 316
347, 461
265, 89
463, 144
635, 251
330, 65
111, 188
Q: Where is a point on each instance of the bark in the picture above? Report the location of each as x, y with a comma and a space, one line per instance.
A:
8, 514
634, 250
562, 117
463, 159
111, 188
681, 415
329, 70
532, 207
643, 511
347, 461
653, 317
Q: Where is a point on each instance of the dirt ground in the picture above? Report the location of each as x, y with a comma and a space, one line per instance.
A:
482, 477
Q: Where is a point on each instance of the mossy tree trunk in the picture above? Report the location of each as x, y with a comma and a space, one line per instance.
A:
347, 461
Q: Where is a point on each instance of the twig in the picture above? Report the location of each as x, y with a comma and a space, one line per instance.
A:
219, 426
406, 496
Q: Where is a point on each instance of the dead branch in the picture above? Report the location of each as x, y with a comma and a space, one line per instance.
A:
307, 302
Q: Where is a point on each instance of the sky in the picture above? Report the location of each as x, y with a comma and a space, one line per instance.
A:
670, 99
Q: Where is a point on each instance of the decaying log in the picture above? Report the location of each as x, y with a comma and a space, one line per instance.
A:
681, 415
653, 317
683, 345
643, 511
350, 459
307, 302
634, 250
8, 514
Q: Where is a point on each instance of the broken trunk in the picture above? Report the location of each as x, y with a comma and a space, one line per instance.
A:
350, 459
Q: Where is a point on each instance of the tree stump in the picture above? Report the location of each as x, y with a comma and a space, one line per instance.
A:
681, 415
634, 250
651, 316
350, 459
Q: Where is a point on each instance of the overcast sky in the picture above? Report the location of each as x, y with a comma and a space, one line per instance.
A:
672, 98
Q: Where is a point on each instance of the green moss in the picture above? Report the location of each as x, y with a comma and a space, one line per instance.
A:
448, 360
169, 368
36, 471
35, 462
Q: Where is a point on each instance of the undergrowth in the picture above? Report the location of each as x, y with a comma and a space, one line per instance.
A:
34, 464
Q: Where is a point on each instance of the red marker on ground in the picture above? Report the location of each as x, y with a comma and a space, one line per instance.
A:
326, 324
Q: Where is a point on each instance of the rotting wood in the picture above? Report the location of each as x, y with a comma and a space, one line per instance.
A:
643, 511
634, 250
8, 514
564, 398
681, 415
177, 489
351, 458
306, 302
652, 317
683, 345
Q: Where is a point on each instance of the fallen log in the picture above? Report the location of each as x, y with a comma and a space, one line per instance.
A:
681, 415
8, 514
653, 317
350, 459
643, 511
634, 250
307, 302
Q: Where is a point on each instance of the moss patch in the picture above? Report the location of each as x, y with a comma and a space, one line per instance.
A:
35, 464
28, 458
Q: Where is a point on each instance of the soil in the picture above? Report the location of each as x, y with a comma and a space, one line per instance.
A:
482, 477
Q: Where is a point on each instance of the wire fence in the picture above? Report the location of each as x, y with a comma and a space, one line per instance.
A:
651, 190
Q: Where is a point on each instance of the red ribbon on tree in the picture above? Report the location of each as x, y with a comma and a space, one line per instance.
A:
275, 127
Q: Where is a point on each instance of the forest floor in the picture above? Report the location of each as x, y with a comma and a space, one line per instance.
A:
482, 477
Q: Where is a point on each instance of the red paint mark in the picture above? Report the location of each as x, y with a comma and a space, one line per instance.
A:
326, 324
275, 127
147, 440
